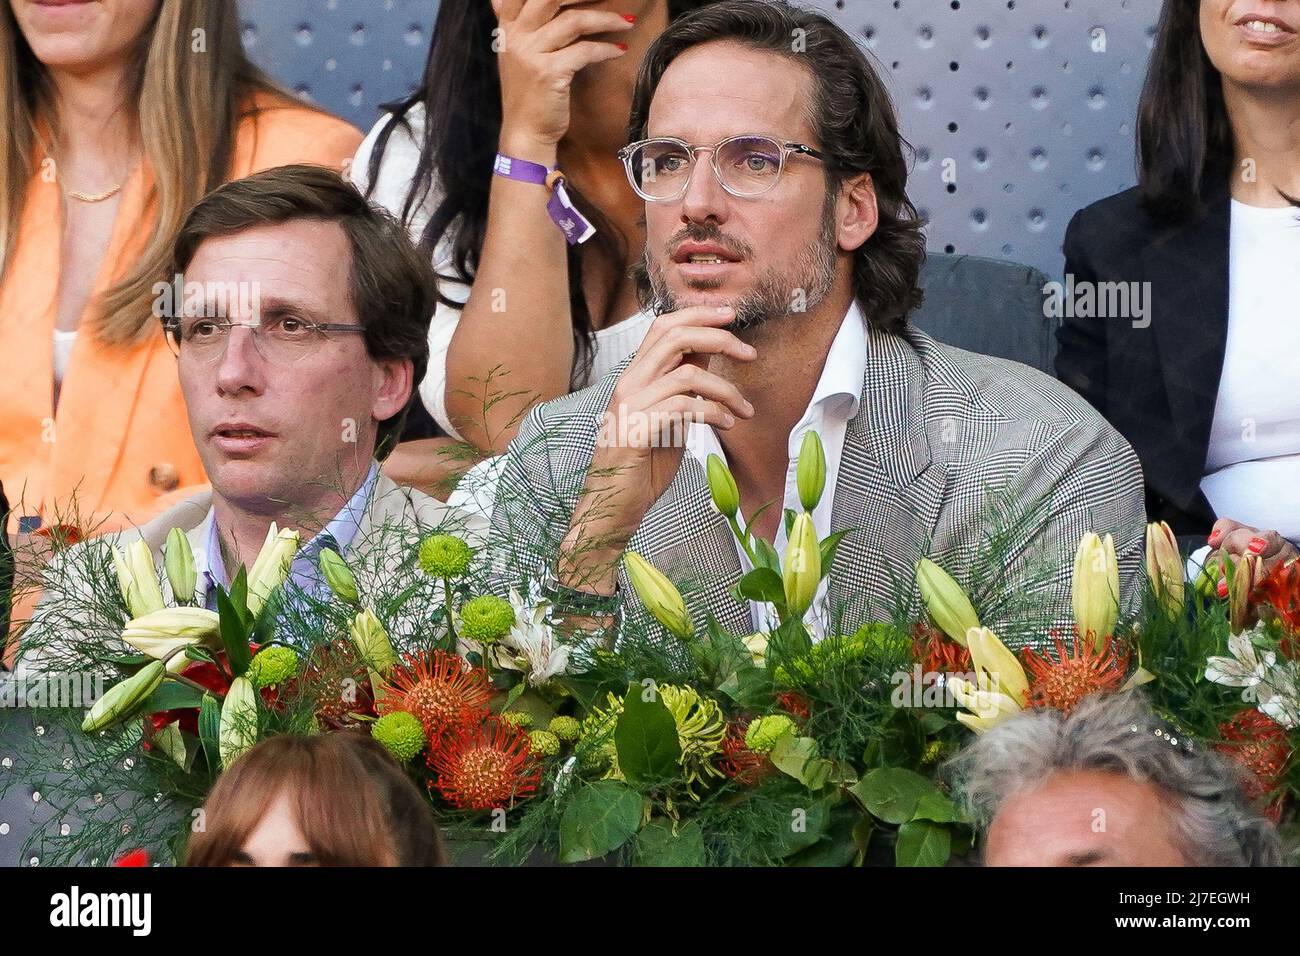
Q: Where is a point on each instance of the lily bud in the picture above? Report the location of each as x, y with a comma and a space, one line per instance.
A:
178, 559
801, 571
810, 476
987, 708
1095, 590
722, 486
124, 698
371, 641
659, 595
271, 566
338, 575
137, 578
1165, 568
238, 728
949, 607
756, 644
1247, 573
160, 633
991, 657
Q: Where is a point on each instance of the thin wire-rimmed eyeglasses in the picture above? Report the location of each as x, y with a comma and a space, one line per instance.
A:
660, 169
279, 340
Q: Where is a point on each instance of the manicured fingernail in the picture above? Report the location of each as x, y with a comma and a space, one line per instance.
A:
630, 17
621, 46
1257, 545
1214, 536
1223, 589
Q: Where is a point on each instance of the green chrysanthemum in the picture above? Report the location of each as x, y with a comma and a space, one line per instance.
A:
764, 732
517, 718
486, 618
400, 732
833, 651
596, 749
444, 556
566, 728
272, 665
701, 728
544, 742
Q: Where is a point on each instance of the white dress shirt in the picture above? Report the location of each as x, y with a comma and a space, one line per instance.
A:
834, 404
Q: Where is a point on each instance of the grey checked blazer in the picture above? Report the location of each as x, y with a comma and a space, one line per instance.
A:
943, 442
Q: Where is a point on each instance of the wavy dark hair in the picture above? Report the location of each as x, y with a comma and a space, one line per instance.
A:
1185, 145
852, 117
461, 94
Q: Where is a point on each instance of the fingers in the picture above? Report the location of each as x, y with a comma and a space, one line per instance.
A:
1222, 527
690, 381
570, 25
575, 56
709, 316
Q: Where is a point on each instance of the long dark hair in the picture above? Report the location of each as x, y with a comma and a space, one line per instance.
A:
461, 93
855, 124
1185, 143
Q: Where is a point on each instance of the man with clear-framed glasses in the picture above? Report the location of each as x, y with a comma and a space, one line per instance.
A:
298, 321
781, 260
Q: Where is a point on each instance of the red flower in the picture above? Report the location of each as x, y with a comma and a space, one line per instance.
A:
134, 858
1062, 683
937, 653
1279, 592
738, 761
1260, 744
794, 704
340, 683
485, 765
442, 690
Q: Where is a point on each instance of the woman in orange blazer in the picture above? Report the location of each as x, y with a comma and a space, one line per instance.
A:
123, 113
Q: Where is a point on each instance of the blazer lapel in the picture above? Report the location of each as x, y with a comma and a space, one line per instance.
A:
889, 490
1188, 271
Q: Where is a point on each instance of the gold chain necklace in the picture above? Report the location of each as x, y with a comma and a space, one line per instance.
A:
95, 197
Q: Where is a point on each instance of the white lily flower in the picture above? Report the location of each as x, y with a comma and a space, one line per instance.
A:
1245, 667
531, 646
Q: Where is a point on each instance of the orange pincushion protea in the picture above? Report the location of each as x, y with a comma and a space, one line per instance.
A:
738, 762
1280, 593
1259, 743
441, 690
1064, 682
794, 704
485, 765
937, 653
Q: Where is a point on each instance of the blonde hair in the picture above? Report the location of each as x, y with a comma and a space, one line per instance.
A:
188, 103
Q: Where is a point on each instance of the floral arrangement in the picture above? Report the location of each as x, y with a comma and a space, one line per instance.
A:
535, 741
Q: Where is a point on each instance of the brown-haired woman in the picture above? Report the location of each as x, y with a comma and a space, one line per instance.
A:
333, 799
118, 116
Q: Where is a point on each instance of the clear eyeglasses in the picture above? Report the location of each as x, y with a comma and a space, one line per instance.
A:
746, 166
279, 340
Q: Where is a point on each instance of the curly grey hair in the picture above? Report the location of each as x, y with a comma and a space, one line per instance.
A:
1215, 822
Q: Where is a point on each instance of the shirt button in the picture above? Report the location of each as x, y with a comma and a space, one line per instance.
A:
164, 478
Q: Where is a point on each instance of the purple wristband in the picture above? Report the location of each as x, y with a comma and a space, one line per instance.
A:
572, 223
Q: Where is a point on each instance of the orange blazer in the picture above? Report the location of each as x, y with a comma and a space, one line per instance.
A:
119, 443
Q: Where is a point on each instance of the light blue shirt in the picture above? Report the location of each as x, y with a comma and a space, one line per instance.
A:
304, 571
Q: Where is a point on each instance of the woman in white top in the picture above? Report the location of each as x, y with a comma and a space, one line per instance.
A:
1203, 379
525, 316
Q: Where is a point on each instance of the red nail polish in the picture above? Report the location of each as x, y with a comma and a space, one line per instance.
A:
1214, 536
621, 46
1223, 589
1257, 545
630, 17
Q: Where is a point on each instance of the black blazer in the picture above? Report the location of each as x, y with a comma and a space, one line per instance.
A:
1157, 385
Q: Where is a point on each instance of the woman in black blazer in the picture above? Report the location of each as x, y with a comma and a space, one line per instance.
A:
1218, 151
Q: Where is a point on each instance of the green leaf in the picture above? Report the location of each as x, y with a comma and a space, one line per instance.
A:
937, 807
892, 793
793, 755
264, 628
789, 521
599, 819
197, 652
804, 827
171, 695
514, 694
766, 554
210, 730
234, 633
646, 738
922, 843
656, 845
762, 584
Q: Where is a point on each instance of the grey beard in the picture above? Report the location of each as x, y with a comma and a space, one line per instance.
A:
774, 296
